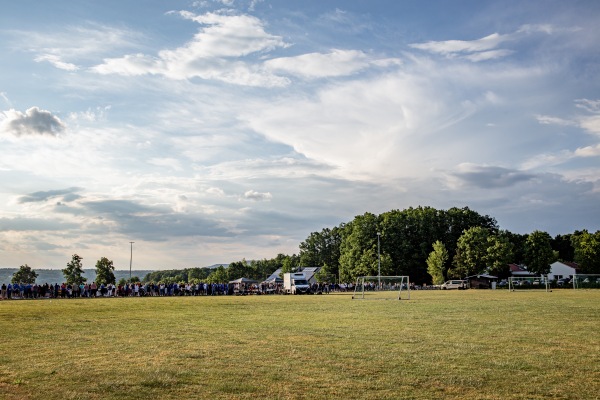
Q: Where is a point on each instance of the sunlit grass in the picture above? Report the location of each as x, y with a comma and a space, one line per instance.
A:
439, 344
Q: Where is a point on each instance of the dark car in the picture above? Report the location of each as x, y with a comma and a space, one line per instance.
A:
563, 281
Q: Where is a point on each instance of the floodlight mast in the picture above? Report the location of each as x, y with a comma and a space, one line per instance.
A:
378, 261
130, 259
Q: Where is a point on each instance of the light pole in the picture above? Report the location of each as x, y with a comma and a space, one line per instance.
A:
130, 259
378, 260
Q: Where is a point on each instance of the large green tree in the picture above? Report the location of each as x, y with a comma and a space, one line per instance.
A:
322, 249
457, 220
564, 245
24, 275
436, 261
409, 234
238, 269
538, 253
499, 254
358, 250
479, 250
105, 271
587, 251
471, 252
196, 275
518, 246
74, 272
289, 264
406, 239
219, 275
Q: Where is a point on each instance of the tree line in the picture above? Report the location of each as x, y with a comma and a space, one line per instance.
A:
431, 245
427, 244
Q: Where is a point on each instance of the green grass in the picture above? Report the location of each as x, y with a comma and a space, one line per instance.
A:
440, 344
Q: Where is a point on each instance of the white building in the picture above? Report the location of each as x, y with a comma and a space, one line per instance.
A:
562, 269
519, 270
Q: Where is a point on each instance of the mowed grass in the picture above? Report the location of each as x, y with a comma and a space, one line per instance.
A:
440, 344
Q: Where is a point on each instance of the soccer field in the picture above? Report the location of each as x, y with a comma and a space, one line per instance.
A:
440, 344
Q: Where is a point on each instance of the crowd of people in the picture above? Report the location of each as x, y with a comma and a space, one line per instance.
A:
15, 291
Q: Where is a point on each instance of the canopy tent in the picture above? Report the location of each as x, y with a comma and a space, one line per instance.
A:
243, 280
243, 286
273, 279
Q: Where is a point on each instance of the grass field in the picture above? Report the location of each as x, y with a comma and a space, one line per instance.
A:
440, 344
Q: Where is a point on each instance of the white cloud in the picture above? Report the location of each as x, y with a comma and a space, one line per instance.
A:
257, 196
588, 151
488, 55
32, 122
376, 127
215, 52
592, 106
462, 46
319, 65
253, 4
57, 62
550, 120
90, 115
590, 123
547, 160
483, 49
74, 43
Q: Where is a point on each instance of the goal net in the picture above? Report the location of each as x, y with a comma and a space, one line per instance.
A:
519, 283
382, 288
586, 281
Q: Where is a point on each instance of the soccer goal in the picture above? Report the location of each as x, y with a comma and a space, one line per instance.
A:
520, 283
586, 281
382, 288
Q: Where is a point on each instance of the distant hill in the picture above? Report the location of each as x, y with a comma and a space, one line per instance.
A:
56, 276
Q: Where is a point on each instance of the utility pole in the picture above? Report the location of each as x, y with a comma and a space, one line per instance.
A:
378, 260
130, 260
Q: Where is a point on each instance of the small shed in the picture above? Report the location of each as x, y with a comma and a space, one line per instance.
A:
481, 281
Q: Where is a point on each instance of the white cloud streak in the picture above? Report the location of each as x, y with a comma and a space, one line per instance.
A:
319, 65
57, 62
214, 53
483, 49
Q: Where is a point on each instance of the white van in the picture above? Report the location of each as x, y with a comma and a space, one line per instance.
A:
454, 284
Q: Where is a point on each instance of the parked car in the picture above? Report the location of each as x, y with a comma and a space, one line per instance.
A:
503, 283
454, 284
563, 281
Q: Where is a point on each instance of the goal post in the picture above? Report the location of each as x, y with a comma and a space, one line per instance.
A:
382, 288
522, 283
586, 281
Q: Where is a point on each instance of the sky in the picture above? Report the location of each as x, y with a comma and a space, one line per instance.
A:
214, 131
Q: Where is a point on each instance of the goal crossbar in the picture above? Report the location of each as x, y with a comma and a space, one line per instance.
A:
522, 283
